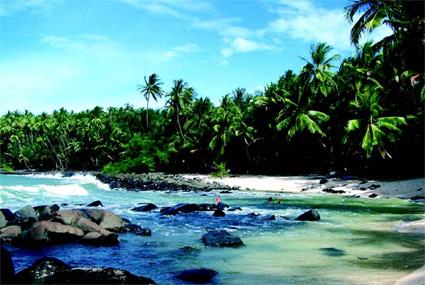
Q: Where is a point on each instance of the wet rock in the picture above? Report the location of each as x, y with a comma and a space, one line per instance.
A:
10, 233
143, 232
145, 208
96, 203
417, 197
96, 275
8, 215
187, 249
221, 238
323, 181
88, 226
219, 213
330, 190
225, 192
234, 209
198, 275
310, 215
25, 216
47, 232
41, 270
252, 215
414, 227
3, 221
169, 211
187, 207
207, 207
68, 217
97, 239
7, 270
46, 212
268, 218
331, 251
373, 195
374, 186
106, 219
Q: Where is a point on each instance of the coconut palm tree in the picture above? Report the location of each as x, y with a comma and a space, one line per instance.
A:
152, 88
377, 130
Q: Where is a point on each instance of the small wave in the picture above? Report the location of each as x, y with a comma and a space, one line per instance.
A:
80, 178
59, 190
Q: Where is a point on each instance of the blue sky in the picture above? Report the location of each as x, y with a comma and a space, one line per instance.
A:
82, 53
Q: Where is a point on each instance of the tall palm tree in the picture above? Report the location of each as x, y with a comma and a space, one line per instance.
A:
152, 88
377, 130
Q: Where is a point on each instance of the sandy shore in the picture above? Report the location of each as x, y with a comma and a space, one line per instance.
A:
405, 189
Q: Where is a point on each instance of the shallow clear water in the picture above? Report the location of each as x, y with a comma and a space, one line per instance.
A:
352, 244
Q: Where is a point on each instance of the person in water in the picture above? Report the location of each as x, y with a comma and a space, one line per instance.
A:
220, 205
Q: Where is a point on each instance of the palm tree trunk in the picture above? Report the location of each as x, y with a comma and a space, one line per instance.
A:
179, 126
147, 114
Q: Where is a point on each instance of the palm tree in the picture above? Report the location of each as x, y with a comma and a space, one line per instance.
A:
178, 98
317, 73
377, 130
152, 88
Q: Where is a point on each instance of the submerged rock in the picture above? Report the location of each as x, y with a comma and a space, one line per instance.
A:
323, 181
41, 270
186, 207
143, 232
234, 209
373, 195
169, 211
330, 190
268, 218
145, 208
219, 213
221, 238
96, 203
199, 275
310, 215
7, 270
97, 239
187, 249
96, 275
331, 251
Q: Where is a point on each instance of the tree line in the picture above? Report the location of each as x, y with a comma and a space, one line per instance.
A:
365, 115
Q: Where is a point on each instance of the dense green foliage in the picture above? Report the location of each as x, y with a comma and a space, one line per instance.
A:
365, 115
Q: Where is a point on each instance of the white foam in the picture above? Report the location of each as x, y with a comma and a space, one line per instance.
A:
60, 190
80, 178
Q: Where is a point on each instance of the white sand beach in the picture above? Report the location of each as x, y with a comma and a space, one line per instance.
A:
405, 189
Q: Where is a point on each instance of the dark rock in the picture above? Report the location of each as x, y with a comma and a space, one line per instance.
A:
25, 216
363, 182
418, 197
97, 239
144, 232
96, 276
186, 207
3, 221
323, 181
363, 188
221, 238
41, 270
145, 208
331, 251
88, 226
310, 215
374, 186
201, 275
96, 203
187, 250
207, 207
169, 211
373, 195
67, 174
234, 209
225, 192
46, 212
219, 213
252, 215
268, 218
221, 206
7, 270
330, 190
7, 214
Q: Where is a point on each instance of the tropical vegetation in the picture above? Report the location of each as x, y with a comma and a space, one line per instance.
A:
362, 114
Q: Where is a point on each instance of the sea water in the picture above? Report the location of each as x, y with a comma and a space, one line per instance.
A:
353, 243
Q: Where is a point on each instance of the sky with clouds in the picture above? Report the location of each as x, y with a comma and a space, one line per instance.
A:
82, 53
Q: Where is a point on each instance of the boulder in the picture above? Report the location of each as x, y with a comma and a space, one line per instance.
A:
268, 218
97, 239
68, 217
112, 222
198, 275
169, 211
7, 270
41, 270
414, 227
323, 181
7, 214
234, 209
186, 207
219, 213
310, 215
207, 207
3, 221
10, 233
373, 195
145, 208
88, 226
47, 232
221, 238
25, 216
96, 275
46, 212
96, 203
144, 232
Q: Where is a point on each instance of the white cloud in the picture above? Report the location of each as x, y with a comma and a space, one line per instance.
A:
243, 45
12, 6
178, 50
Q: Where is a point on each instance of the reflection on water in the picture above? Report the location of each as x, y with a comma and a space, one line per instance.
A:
352, 244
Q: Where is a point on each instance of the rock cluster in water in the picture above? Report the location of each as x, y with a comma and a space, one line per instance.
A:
46, 225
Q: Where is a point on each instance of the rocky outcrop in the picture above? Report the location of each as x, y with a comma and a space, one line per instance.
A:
41, 270
97, 239
10, 233
3, 221
198, 275
145, 208
25, 216
7, 270
96, 203
47, 232
8, 215
221, 238
310, 215
46, 212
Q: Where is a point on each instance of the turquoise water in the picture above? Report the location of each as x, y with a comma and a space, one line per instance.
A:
352, 244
